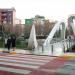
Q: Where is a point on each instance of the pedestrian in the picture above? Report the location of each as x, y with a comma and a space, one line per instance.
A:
5, 42
9, 43
13, 41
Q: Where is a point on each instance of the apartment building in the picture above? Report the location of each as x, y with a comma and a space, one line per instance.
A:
7, 18
39, 20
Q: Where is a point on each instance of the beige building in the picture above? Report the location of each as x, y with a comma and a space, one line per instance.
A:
18, 21
38, 20
19, 29
42, 25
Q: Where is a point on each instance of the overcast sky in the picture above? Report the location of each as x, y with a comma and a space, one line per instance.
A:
51, 9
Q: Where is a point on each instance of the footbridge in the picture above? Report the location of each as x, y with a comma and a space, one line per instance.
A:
53, 45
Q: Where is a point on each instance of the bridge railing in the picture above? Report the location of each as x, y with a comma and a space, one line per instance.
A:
58, 48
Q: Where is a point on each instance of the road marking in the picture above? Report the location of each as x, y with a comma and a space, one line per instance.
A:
22, 62
20, 65
29, 59
20, 71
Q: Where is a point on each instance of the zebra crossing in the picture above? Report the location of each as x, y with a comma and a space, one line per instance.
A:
26, 64
22, 64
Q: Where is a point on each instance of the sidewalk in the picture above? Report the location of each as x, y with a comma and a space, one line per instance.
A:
35, 52
16, 50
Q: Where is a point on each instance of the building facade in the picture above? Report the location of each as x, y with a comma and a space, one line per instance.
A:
38, 20
18, 21
7, 18
42, 25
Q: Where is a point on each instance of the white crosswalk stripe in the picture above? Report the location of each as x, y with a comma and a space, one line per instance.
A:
23, 62
20, 65
20, 71
31, 59
11, 62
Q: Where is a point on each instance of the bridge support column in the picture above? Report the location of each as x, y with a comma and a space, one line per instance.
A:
63, 32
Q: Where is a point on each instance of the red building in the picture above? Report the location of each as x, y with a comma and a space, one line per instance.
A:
7, 17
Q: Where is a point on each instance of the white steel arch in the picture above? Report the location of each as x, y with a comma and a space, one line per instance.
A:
51, 34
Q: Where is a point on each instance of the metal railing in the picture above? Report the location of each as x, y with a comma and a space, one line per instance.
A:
57, 47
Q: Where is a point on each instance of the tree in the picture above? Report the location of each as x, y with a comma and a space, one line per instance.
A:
27, 30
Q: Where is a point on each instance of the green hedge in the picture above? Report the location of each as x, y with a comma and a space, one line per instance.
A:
19, 44
1, 43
